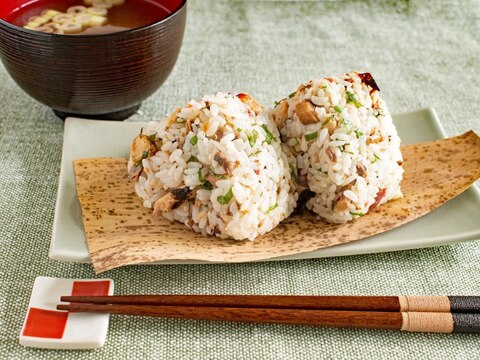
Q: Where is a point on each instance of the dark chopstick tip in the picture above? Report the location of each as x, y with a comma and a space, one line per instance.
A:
62, 307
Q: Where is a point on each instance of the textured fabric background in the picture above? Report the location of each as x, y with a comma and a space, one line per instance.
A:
422, 53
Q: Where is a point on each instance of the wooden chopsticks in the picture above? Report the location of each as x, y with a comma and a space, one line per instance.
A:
407, 313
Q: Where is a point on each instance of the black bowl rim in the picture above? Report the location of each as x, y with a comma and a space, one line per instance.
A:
95, 36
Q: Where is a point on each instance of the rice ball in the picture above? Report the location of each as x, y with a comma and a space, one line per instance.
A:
343, 148
215, 165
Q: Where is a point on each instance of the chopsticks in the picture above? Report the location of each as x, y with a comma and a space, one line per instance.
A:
406, 313
465, 304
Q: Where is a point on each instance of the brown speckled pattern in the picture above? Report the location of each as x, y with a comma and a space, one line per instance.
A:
120, 231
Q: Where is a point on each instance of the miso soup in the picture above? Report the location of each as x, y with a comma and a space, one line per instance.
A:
87, 17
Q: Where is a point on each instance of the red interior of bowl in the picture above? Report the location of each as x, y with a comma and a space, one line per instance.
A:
8, 7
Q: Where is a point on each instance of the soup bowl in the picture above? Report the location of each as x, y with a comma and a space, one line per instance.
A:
103, 76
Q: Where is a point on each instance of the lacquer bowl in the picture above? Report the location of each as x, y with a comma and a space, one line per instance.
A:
103, 76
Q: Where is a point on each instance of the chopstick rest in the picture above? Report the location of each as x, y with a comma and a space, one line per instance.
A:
46, 327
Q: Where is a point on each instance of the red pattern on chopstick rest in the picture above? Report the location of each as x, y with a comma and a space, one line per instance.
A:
45, 323
90, 288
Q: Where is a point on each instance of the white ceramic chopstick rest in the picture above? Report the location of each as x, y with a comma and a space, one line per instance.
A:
46, 327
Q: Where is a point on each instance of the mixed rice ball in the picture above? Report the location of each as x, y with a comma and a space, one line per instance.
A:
222, 165
343, 148
215, 165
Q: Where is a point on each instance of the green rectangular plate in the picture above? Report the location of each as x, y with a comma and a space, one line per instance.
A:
454, 222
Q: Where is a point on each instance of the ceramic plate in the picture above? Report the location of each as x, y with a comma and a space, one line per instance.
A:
454, 222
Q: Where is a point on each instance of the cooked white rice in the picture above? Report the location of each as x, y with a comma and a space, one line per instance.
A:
215, 165
342, 145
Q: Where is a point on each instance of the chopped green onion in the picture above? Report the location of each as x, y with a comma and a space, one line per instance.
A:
268, 135
342, 148
255, 153
311, 136
376, 158
252, 139
207, 185
200, 176
273, 207
278, 102
327, 120
358, 133
293, 172
351, 99
292, 94
144, 156
192, 159
194, 140
219, 176
153, 137
338, 109
239, 130
225, 199
356, 213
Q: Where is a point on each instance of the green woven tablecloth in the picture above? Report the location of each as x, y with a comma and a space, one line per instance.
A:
422, 54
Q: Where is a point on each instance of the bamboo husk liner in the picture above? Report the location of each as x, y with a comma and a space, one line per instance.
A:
120, 231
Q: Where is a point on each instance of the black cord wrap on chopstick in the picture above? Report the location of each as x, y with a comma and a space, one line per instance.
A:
464, 304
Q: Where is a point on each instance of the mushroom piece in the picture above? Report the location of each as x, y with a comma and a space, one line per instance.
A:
331, 125
331, 154
280, 114
165, 204
181, 194
250, 101
303, 88
342, 204
222, 161
135, 172
172, 199
172, 118
361, 170
219, 134
306, 113
374, 139
375, 95
142, 148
